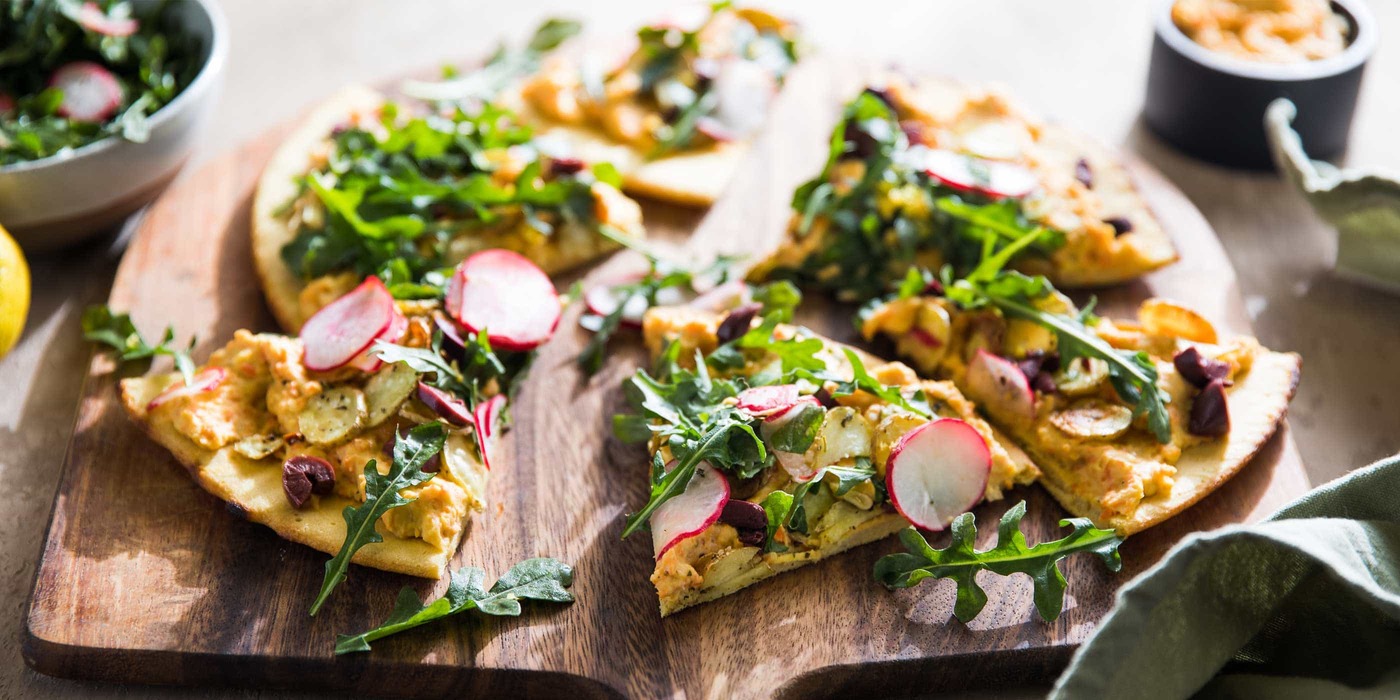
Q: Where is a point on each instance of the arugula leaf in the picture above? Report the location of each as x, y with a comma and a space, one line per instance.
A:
101, 325
881, 219
540, 579
961, 562
715, 442
797, 433
411, 452
776, 507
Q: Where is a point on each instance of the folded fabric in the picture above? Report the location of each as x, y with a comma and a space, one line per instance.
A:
1364, 207
1305, 604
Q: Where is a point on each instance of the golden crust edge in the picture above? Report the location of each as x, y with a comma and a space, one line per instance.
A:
324, 531
879, 526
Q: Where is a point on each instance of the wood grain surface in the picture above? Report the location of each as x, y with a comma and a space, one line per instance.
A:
145, 578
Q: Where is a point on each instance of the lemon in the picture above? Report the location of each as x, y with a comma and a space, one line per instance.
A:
14, 291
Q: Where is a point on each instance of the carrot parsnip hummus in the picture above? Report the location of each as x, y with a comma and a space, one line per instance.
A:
1270, 31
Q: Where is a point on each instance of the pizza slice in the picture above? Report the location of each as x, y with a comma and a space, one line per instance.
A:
676, 114
1130, 422
773, 448
283, 428
363, 187
927, 176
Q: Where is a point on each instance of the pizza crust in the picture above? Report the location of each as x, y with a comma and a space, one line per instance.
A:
254, 487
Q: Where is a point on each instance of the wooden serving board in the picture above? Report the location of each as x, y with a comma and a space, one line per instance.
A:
145, 578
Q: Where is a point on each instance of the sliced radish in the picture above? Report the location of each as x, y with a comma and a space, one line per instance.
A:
90, 92
508, 297
999, 386
451, 408
602, 300
486, 417
94, 19
970, 174
767, 400
368, 362
786, 411
693, 511
207, 380
345, 328
714, 130
937, 472
724, 297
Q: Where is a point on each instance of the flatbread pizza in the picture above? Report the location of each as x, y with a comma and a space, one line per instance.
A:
822, 485
922, 175
1127, 454
361, 187
676, 113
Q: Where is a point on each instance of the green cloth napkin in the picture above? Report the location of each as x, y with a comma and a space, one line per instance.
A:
1364, 207
1303, 605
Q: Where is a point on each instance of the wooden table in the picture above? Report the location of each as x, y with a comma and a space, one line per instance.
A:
1081, 61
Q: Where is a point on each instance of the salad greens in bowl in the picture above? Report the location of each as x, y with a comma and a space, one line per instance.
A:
100, 103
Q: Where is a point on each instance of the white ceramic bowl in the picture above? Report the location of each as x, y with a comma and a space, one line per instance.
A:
58, 201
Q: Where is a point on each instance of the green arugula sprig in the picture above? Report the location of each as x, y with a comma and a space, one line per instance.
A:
688, 409
539, 579
881, 220
101, 325
1133, 374
382, 494
961, 562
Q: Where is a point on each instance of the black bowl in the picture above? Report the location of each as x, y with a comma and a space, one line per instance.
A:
1211, 105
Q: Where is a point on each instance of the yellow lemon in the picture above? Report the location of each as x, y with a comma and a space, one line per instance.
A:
14, 291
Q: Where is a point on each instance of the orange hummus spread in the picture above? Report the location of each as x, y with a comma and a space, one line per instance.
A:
1269, 31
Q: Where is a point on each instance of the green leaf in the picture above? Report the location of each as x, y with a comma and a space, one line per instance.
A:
797, 432
411, 452
539, 579
776, 507
101, 325
961, 562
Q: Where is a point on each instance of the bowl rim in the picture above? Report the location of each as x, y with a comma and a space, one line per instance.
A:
203, 80
1357, 52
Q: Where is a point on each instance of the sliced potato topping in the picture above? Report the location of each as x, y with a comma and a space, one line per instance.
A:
1093, 419
844, 434
387, 390
258, 446
333, 415
1081, 376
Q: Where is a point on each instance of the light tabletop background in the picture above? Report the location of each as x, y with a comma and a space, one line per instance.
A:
1082, 62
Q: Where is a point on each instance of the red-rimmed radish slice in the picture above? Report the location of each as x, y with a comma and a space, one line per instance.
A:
602, 300
486, 418
452, 296
714, 129
767, 400
452, 409
999, 386
208, 380
90, 92
94, 19
725, 297
970, 174
688, 514
368, 362
937, 472
509, 297
784, 412
345, 328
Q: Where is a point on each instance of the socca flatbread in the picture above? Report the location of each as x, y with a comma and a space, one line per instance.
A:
1098, 458
567, 247
713, 563
254, 488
